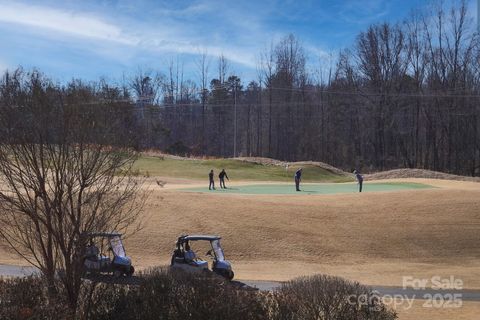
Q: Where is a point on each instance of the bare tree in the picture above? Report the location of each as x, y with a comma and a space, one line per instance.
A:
289, 81
222, 68
202, 67
146, 86
267, 67
65, 169
382, 62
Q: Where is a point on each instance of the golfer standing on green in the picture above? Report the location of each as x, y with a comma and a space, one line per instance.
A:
222, 177
359, 178
298, 178
211, 183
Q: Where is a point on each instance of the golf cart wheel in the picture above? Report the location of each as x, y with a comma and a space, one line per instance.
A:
117, 273
227, 274
130, 271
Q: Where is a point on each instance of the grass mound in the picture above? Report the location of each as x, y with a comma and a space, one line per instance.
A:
269, 161
417, 173
237, 169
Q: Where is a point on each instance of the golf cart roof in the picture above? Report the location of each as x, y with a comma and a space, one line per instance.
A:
199, 237
102, 234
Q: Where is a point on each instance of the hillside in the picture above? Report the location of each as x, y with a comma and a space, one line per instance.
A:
161, 165
267, 169
417, 173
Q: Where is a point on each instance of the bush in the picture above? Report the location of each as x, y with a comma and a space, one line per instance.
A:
179, 149
166, 294
27, 298
326, 297
162, 293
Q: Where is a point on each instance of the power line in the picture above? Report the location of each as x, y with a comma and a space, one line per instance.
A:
318, 91
293, 115
360, 93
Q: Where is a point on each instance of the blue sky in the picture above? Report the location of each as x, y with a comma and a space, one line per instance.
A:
89, 39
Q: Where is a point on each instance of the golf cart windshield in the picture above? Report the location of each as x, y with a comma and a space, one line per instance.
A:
117, 246
218, 250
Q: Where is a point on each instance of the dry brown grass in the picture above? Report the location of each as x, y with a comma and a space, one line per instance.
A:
274, 162
375, 238
389, 174
417, 173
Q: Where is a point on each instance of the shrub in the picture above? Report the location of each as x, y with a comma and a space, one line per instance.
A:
326, 297
27, 298
179, 148
162, 293
166, 294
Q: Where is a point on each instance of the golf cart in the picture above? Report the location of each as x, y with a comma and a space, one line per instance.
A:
113, 261
185, 258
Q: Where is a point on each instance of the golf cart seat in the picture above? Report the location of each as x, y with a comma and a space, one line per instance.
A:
97, 263
195, 262
179, 259
202, 264
104, 261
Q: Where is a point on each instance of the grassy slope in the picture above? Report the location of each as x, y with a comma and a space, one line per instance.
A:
238, 170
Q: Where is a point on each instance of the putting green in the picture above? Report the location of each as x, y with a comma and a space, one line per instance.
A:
313, 188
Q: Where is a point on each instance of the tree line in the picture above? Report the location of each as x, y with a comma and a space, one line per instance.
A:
403, 95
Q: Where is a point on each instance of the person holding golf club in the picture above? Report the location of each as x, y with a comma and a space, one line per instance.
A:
222, 177
359, 178
298, 178
212, 182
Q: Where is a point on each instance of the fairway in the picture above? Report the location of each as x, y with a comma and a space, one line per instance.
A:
313, 188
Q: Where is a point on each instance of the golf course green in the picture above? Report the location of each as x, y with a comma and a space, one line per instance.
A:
313, 188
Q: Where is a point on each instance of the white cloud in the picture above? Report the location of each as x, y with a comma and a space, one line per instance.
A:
236, 55
191, 10
317, 52
61, 21
363, 12
167, 36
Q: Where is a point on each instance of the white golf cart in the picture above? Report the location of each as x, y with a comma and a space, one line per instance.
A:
186, 259
113, 260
